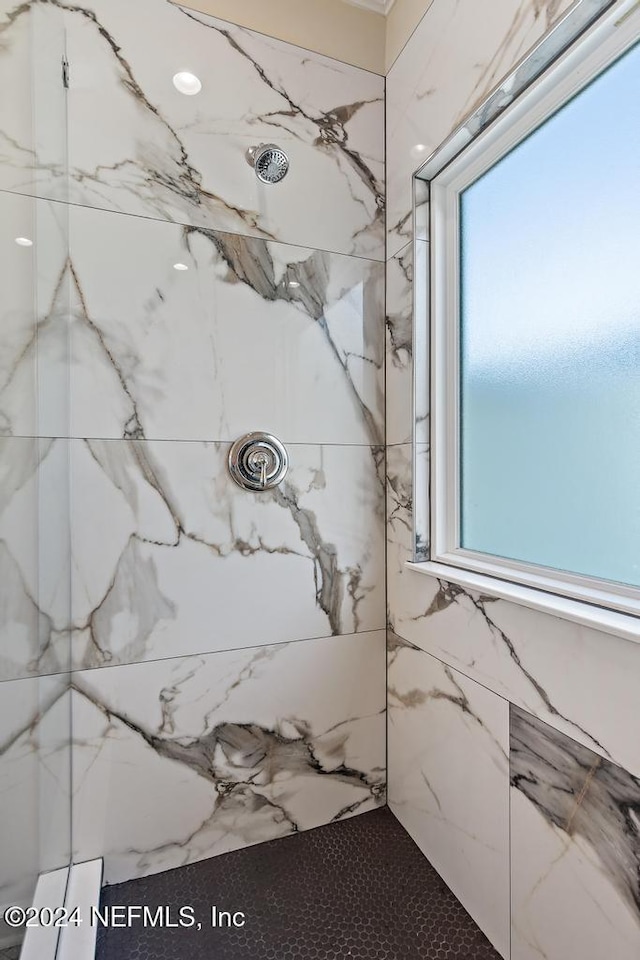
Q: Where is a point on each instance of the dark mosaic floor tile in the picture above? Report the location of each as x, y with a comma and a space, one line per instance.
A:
357, 889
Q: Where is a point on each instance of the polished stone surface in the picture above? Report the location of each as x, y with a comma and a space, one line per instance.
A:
575, 844
181, 759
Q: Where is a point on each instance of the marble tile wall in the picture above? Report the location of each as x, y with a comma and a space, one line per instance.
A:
34, 476
461, 752
185, 758
138, 146
171, 558
577, 685
228, 644
253, 334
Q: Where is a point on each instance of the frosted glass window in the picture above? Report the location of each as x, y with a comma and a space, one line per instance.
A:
550, 340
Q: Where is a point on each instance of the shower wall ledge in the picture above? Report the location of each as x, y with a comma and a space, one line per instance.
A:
585, 614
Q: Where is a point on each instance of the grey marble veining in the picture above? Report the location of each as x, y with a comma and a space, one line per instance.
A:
399, 346
399, 308
225, 345
165, 545
575, 827
581, 794
34, 558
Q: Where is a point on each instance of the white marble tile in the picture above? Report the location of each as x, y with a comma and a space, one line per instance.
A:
34, 783
449, 780
33, 130
248, 746
253, 335
171, 558
138, 146
33, 316
34, 557
575, 841
456, 56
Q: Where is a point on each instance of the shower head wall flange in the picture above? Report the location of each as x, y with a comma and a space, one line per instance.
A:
269, 161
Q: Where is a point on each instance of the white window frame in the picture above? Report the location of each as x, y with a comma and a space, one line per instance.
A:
588, 57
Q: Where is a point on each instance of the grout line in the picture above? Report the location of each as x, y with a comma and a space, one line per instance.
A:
288, 443
184, 656
457, 669
400, 251
72, 670
181, 224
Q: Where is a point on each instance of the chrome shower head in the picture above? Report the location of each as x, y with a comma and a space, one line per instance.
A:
269, 161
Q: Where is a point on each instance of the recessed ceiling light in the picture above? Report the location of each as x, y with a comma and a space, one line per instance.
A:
180, 266
187, 83
24, 242
419, 150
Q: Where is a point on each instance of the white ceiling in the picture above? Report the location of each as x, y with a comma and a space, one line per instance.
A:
378, 6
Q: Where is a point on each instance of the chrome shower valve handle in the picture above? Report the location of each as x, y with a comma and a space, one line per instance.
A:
261, 462
258, 461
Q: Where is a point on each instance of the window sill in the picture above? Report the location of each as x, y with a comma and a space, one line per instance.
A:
586, 614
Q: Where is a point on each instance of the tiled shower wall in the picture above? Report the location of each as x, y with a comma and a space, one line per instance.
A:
228, 647
514, 753
34, 474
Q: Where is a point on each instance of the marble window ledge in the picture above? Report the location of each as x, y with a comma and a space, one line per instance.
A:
586, 614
